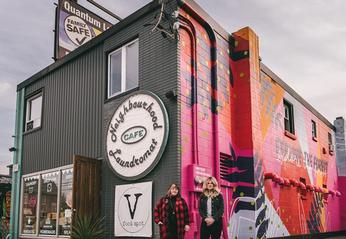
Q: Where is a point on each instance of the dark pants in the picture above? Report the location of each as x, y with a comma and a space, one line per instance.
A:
214, 230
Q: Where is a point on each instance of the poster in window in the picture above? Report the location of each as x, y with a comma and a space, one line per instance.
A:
65, 215
30, 195
48, 206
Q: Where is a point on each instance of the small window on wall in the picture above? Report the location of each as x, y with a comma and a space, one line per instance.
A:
33, 112
314, 130
52, 191
123, 69
303, 189
289, 117
330, 143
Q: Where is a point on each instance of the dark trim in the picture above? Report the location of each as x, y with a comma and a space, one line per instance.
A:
315, 235
295, 95
90, 44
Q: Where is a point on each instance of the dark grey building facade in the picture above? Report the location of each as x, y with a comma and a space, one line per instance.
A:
76, 110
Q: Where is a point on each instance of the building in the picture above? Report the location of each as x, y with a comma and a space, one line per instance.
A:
166, 97
5, 204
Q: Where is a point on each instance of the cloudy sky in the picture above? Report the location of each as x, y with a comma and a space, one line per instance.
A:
301, 41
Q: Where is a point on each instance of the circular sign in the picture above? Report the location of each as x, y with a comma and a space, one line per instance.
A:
77, 30
137, 135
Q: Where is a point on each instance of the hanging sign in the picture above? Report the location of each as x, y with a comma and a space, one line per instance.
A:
133, 210
75, 26
137, 135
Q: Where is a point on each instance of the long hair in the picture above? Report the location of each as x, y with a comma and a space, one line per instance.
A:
173, 185
213, 192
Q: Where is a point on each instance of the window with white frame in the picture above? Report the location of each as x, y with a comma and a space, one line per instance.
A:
46, 208
289, 117
123, 69
33, 112
313, 129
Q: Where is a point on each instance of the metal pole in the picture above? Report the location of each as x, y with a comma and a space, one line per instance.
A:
105, 10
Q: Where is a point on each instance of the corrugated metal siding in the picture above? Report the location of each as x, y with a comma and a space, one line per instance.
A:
158, 71
72, 114
76, 116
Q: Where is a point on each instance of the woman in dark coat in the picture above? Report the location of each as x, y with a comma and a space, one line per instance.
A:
171, 214
211, 208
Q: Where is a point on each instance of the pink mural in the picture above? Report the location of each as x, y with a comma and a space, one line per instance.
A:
232, 126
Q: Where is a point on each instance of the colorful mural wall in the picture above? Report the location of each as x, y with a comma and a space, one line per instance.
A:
232, 127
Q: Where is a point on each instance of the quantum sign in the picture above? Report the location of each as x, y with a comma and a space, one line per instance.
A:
137, 135
75, 26
133, 210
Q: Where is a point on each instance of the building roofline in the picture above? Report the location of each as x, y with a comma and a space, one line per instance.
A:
220, 30
295, 95
90, 44
142, 12
206, 17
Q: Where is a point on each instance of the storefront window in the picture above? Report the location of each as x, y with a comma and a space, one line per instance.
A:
48, 205
30, 196
65, 212
48, 196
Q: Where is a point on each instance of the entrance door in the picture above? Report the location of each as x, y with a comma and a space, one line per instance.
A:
86, 186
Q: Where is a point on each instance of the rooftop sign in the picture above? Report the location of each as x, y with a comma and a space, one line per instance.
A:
75, 26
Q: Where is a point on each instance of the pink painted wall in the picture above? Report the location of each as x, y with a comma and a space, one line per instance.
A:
243, 139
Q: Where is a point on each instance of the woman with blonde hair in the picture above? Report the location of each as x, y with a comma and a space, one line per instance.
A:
171, 214
211, 208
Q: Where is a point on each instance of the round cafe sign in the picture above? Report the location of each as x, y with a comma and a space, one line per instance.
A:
137, 135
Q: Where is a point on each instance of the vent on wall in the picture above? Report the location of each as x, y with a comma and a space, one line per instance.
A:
226, 164
29, 125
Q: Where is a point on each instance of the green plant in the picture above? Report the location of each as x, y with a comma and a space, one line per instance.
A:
4, 230
87, 227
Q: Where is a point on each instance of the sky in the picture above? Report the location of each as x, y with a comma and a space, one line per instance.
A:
303, 42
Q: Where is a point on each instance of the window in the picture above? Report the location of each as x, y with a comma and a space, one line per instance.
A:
48, 205
330, 143
29, 202
303, 189
33, 112
289, 118
52, 191
65, 215
313, 130
123, 69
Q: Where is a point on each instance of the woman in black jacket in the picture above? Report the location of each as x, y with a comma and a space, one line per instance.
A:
211, 208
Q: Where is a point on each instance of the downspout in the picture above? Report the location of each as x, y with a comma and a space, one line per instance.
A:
17, 163
189, 28
214, 93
